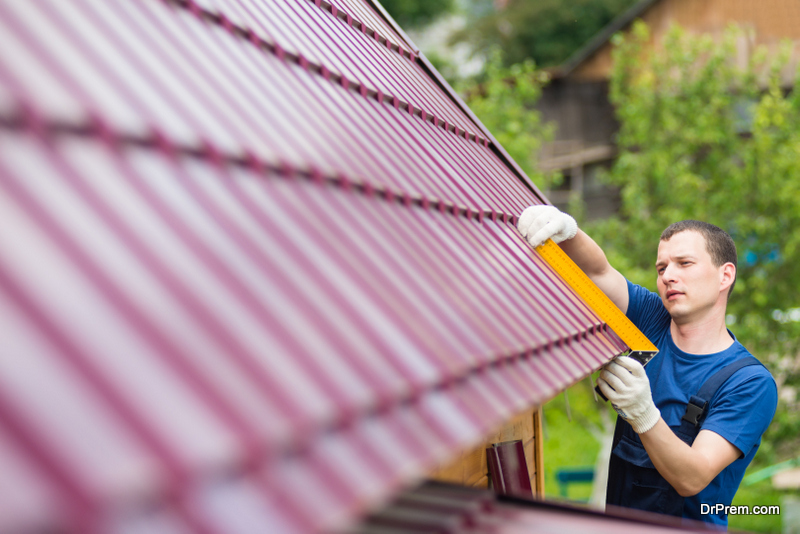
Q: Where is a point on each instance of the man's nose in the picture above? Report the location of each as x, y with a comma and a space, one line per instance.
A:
668, 275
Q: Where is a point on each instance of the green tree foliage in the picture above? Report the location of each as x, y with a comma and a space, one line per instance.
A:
703, 138
410, 13
546, 31
504, 99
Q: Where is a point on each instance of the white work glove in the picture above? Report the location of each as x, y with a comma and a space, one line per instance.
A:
537, 224
625, 383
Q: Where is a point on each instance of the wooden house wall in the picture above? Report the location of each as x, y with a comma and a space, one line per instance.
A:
470, 467
581, 110
771, 21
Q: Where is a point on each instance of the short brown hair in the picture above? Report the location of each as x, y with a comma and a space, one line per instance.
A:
719, 243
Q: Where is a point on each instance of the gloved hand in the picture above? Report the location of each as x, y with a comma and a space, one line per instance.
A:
625, 383
537, 224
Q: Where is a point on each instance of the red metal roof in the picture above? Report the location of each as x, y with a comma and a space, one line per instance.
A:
443, 508
257, 270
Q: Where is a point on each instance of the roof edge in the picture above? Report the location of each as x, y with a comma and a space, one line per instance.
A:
601, 37
376, 5
445, 86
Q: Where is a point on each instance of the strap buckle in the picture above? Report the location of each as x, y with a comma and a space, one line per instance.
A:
695, 410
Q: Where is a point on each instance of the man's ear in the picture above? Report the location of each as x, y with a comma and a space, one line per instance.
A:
727, 276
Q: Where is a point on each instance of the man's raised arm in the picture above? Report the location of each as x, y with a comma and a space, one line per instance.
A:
537, 224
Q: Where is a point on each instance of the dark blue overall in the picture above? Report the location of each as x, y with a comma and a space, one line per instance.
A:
633, 481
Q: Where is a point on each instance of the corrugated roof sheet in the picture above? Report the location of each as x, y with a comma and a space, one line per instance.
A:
257, 270
441, 508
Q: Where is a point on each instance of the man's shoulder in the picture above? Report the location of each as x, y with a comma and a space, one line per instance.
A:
750, 384
744, 405
646, 311
753, 373
737, 352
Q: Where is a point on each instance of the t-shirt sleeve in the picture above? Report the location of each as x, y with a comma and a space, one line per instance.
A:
646, 310
744, 408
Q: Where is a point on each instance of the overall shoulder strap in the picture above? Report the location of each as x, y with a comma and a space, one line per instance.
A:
696, 408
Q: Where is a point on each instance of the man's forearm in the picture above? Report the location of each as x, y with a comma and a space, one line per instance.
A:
586, 254
592, 260
688, 469
539, 223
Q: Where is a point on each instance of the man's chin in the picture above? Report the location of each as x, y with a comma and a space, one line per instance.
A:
675, 310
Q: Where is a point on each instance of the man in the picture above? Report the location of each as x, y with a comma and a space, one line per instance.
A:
675, 450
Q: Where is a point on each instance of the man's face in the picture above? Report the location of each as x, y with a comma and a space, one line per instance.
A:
688, 280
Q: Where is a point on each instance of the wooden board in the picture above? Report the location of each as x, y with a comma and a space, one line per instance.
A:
470, 468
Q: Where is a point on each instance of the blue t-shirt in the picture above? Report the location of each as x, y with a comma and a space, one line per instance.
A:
742, 410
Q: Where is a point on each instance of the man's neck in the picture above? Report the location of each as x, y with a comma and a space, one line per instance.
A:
705, 336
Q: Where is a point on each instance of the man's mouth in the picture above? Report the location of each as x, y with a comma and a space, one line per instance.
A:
673, 294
